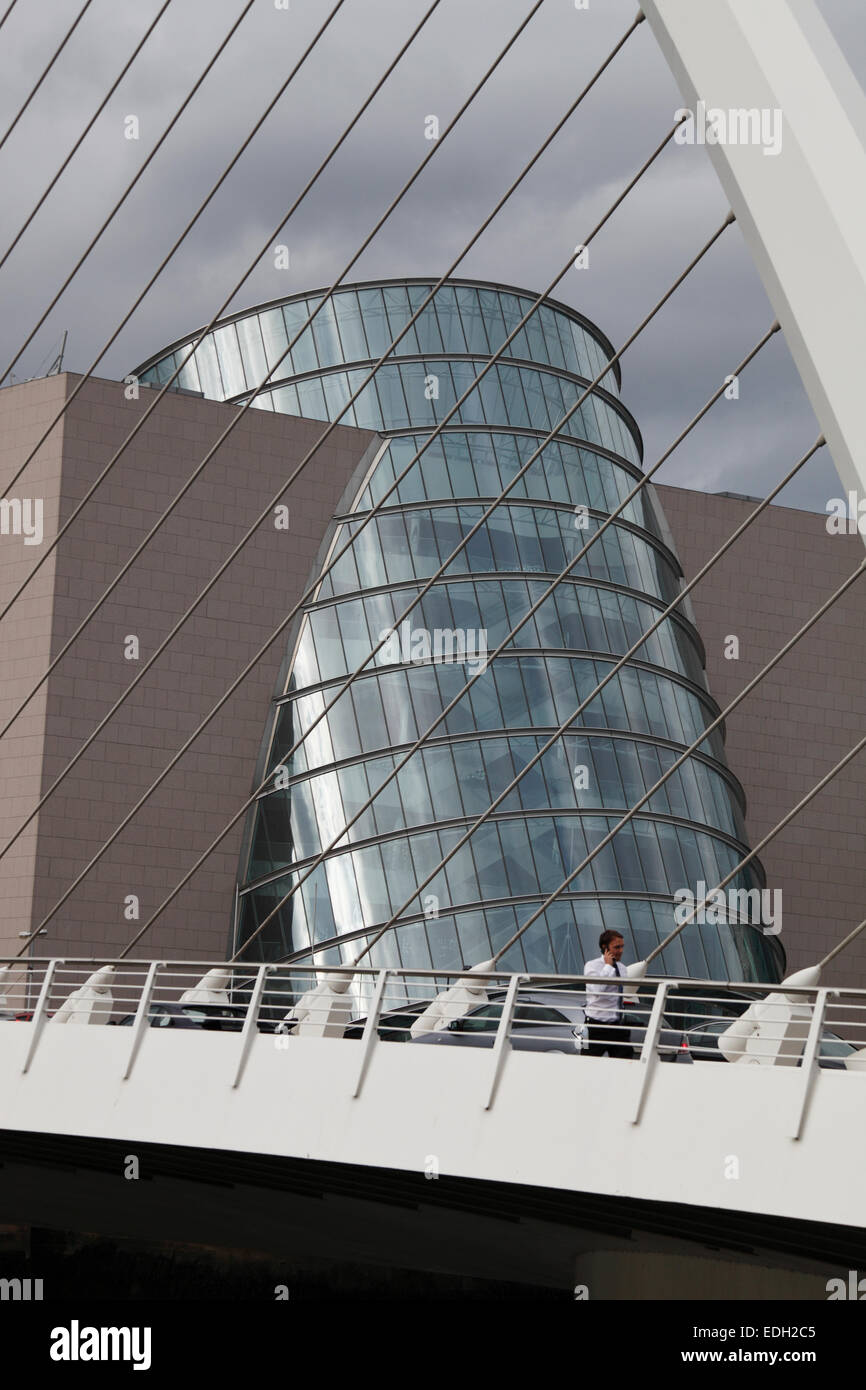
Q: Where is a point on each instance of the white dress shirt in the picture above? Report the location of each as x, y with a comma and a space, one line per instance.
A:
603, 1002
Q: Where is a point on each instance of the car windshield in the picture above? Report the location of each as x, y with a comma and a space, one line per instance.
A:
692, 1007
834, 1046
486, 1019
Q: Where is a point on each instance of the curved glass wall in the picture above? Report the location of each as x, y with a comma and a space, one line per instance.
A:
690, 833
359, 323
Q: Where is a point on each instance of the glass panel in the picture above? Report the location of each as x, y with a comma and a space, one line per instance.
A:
512, 312
414, 790
372, 888
427, 326
336, 388
188, 376
538, 413
311, 399
494, 322
375, 321
388, 810
516, 409
252, 349
285, 400
553, 347
329, 646
353, 629
370, 714
367, 411
394, 411
472, 409
519, 871
397, 307
303, 355
208, 369
448, 315
326, 335
473, 322
419, 386
275, 341
351, 326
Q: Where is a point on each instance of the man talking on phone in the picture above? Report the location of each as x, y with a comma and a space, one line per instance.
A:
606, 1027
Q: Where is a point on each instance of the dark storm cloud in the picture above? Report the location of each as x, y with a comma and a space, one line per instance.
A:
670, 372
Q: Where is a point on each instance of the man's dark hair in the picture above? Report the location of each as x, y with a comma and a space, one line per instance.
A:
607, 937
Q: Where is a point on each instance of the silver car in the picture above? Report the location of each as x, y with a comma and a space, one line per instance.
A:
554, 1021
544, 1021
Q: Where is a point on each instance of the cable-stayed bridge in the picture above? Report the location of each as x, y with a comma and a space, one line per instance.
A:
609, 1166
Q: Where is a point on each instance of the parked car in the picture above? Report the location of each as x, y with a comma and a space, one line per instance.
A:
544, 1021
698, 1017
553, 1021
393, 1026
703, 1044
226, 1018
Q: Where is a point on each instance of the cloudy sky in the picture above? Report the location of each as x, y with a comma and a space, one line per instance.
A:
744, 446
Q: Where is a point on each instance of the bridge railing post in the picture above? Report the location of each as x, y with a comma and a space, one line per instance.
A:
501, 1044
809, 1062
142, 1016
251, 1022
40, 1013
649, 1051
370, 1035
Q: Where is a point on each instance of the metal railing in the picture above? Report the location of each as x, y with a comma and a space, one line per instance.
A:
679, 1019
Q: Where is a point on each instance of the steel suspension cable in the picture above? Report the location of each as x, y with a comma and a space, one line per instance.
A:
724, 714
45, 71
251, 800
840, 946
771, 835
505, 642
178, 242
285, 622
9, 8
741, 529
330, 564
307, 458
117, 206
167, 385
86, 131
738, 699
560, 578
541, 600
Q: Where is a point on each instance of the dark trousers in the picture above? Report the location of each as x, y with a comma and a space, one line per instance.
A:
610, 1038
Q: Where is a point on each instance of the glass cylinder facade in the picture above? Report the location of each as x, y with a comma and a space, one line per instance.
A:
690, 833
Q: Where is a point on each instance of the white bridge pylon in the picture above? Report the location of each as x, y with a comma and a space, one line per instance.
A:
802, 210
